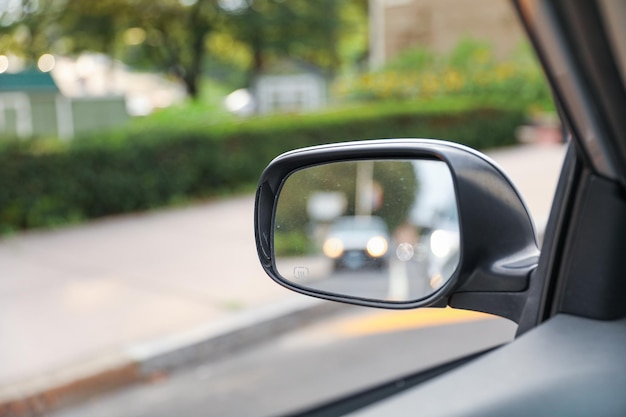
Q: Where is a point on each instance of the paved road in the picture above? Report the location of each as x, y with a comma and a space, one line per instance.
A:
309, 366
84, 292
396, 281
125, 280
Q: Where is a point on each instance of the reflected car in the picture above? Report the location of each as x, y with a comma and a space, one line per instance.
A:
443, 255
443, 245
356, 242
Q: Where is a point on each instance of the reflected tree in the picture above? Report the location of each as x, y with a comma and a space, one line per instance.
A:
395, 189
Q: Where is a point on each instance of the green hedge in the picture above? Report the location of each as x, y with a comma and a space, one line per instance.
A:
50, 183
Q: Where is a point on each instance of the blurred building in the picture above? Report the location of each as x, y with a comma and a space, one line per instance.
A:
397, 25
31, 104
66, 96
28, 104
96, 75
289, 87
289, 93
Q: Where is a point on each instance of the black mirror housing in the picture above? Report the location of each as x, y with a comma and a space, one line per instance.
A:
498, 243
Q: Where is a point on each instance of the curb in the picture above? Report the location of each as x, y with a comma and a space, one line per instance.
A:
211, 343
151, 360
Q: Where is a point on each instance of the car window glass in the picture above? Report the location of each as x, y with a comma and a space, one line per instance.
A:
132, 134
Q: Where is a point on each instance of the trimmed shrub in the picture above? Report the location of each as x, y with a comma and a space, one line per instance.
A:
48, 183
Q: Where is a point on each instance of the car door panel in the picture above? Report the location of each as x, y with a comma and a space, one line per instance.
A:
568, 366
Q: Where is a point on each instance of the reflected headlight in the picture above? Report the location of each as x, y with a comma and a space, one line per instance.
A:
377, 246
333, 248
442, 242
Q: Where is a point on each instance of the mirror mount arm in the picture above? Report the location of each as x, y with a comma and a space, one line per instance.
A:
508, 275
501, 289
509, 305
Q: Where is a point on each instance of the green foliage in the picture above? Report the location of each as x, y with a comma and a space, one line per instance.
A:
28, 27
399, 186
46, 183
293, 243
301, 30
188, 39
471, 70
413, 60
207, 109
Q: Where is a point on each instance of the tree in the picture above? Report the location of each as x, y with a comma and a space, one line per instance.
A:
174, 32
397, 180
172, 35
28, 27
273, 29
94, 26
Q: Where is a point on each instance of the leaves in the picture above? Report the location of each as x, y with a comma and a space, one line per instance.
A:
179, 37
469, 70
157, 162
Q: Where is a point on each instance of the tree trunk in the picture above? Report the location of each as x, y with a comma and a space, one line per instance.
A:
191, 86
199, 30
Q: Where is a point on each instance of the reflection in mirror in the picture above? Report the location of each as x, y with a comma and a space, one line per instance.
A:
376, 229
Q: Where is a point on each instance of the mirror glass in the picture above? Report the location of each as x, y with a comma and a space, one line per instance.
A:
376, 229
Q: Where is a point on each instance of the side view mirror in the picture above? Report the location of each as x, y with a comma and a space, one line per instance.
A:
400, 223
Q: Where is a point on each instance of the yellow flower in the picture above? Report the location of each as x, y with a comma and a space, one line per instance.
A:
481, 56
429, 84
453, 80
503, 71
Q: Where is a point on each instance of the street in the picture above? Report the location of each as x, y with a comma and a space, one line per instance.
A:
101, 289
396, 281
315, 364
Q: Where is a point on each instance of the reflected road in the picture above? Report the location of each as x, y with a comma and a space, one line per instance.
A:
398, 281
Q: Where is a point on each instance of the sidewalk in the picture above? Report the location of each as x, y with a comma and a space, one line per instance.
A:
102, 304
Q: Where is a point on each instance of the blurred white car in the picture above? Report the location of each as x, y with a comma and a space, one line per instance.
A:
443, 244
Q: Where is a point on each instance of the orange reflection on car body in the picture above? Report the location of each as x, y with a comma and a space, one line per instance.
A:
392, 321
